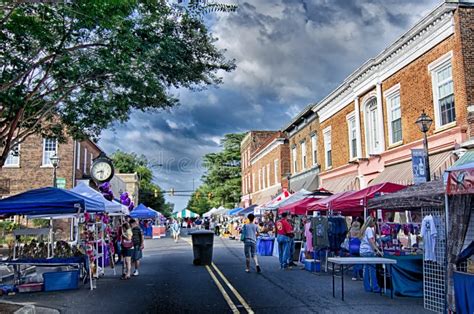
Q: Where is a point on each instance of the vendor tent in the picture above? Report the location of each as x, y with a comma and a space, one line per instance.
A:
209, 213
326, 203
246, 211
234, 211
357, 201
300, 207
430, 194
220, 211
87, 191
301, 194
143, 212
48, 201
185, 213
274, 203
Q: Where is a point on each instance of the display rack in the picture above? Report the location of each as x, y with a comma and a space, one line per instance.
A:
48, 232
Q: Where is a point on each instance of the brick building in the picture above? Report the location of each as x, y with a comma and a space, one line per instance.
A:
265, 164
365, 129
29, 166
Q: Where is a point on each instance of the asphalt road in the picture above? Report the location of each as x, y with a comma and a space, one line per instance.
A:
170, 283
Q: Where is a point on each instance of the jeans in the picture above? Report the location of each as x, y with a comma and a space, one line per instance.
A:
291, 245
370, 275
283, 250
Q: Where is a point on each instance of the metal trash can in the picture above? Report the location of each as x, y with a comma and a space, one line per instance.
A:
203, 242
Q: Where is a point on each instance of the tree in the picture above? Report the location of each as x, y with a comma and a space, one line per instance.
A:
150, 194
222, 177
80, 65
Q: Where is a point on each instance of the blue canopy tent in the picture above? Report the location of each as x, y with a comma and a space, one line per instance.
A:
143, 212
234, 211
48, 201
247, 210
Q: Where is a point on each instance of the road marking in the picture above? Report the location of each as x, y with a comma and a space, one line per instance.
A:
234, 291
222, 290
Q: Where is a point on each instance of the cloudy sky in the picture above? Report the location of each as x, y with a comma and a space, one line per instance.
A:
289, 53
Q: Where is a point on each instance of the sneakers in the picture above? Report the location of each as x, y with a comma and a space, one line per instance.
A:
259, 269
247, 270
135, 273
354, 279
293, 264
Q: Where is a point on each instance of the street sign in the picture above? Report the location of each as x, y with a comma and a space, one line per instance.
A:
61, 183
418, 161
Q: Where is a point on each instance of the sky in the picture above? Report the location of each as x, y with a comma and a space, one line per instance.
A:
289, 54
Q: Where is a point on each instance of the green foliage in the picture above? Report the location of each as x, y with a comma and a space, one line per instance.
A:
222, 177
41, 223
80, 65
149, 193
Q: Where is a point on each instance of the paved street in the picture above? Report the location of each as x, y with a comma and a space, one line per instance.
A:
169, 283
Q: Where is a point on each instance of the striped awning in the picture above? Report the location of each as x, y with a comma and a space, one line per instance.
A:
341, 184
402, 173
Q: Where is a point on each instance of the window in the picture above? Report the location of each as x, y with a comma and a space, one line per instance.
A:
328, 147
78, 155
372, 127
264, 178
394, 115
259, 179
50, 147
13, 158
352, 129
293, 156
314, 149
268, 175
303, 155
85, 160
275, 166
253, 182
443, 90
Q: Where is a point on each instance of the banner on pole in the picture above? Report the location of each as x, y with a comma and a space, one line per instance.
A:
418, 161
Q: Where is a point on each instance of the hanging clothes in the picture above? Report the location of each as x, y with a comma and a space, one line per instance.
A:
320, 232
429, 234
337, 231
309, 237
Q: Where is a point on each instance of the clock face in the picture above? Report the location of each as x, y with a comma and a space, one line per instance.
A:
102, 171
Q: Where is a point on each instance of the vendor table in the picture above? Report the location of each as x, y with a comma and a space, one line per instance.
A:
407, 275
350, 261
265, 246
463, 287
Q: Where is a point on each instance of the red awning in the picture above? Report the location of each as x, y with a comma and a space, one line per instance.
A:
299, 207
461, 181
326, 203
358, 200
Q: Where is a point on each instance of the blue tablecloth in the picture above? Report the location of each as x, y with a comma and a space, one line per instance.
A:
464, 292
54, 260
147, 231
265, 246
407, 275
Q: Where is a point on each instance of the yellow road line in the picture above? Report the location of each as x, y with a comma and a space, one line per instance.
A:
234, 291
222, 290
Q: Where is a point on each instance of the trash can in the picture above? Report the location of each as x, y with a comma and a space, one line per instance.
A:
203, 242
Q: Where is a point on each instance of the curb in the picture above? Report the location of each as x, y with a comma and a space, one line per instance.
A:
31, 308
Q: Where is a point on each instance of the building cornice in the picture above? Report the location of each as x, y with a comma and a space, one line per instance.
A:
271, 146
427, 33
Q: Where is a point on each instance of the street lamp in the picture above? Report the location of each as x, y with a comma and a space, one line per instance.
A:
424, 123
55, 163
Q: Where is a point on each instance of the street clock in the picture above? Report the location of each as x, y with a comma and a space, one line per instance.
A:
102, 169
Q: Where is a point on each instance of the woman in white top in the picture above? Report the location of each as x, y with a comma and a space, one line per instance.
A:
368, 248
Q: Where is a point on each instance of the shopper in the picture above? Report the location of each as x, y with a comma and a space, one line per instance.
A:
308, 233
249, 234
176, 230
138, 245
354, 247
291, 244
284, 232
127, 246
368, 248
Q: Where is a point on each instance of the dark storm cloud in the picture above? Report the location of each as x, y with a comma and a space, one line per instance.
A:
289, 53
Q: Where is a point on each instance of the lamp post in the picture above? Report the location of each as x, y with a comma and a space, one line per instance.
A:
424, 123
55, 163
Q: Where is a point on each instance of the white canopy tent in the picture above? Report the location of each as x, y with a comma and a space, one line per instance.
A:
112, 208
209, 213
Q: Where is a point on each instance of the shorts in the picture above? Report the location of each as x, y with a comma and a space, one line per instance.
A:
136, 253
250, 249
127, 252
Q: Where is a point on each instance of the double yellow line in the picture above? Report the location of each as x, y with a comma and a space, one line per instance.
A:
221, 288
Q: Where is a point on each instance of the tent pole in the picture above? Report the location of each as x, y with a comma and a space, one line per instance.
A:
446, 273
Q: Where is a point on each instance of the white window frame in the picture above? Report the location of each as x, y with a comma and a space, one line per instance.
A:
43, 163
275, 168
435, 67
370, 146
268, 175
351, 119
294, 156
264, 178
78, 155
8, 163
327, 135
389, 96
303, 155
253, 182
259, 179
314, 149
85, 160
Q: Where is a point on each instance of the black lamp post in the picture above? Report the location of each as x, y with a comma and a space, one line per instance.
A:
55, 163
424, 123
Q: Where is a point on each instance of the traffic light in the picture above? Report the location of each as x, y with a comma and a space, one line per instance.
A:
198, 195
209, 196
156, 192
172, 192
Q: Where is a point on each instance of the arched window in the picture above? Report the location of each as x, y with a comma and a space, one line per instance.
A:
372, 126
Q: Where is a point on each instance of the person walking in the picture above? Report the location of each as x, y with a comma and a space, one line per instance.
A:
127, 246
176, 229
138, 245
249, 236
284, 231
368, 248
291, 244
